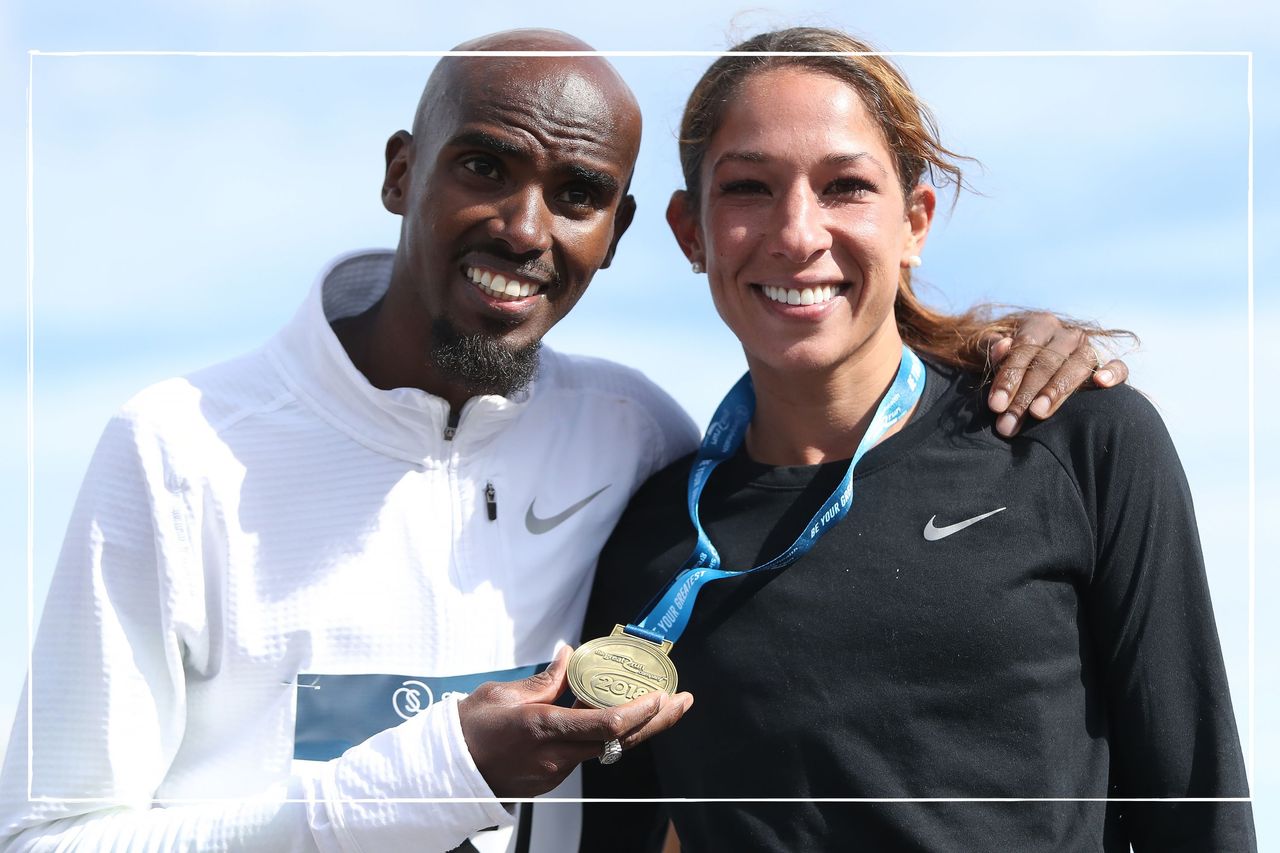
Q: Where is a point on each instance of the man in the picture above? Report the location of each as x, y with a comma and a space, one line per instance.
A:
302, 593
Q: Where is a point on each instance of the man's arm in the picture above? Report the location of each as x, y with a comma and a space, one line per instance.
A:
108, 708
108, 695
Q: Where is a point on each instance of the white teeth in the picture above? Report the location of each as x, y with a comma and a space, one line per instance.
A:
500, 286
802, 296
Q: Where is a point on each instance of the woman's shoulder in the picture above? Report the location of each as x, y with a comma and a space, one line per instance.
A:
1087, 408
1123, 410
1119, 428
1108, 433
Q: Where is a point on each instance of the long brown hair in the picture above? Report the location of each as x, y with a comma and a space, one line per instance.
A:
911, 132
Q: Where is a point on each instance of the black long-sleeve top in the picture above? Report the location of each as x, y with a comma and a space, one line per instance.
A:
1062, 647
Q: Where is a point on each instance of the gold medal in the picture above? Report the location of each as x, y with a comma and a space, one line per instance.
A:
615, 669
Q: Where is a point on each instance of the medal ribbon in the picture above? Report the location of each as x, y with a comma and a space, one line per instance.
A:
665, 618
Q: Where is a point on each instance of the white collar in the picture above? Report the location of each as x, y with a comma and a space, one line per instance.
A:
406, 423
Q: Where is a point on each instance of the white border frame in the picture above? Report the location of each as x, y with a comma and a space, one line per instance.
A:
1251, 544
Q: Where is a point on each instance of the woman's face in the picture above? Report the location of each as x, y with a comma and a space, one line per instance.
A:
803, 227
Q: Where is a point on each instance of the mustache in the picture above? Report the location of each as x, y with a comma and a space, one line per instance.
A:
526, 265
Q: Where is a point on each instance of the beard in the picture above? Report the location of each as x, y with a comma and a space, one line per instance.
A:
480, 364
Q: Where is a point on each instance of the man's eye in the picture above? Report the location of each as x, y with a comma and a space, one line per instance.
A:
576, 196
482, 166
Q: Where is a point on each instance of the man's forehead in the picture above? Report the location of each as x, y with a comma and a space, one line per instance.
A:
569, 99
570, 84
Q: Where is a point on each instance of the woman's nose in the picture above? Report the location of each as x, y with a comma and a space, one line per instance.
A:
799, 228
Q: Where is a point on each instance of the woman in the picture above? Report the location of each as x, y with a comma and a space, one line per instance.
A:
990, 619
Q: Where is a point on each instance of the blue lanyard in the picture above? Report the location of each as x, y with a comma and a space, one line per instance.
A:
666, 617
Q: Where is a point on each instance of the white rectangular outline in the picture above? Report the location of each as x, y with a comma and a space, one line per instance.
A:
373, 54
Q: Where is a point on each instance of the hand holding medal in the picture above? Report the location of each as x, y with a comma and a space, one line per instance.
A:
524, 744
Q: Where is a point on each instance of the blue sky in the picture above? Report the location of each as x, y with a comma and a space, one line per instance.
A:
182, 206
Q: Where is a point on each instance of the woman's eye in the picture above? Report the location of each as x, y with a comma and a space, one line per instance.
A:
850, 186
482, 166
744, 187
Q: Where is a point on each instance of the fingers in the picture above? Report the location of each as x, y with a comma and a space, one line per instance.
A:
1073, 371
635, 721
1033, 356
584, 731
1012, 357
1041, 367
1111, 374
1036, 390
668, 715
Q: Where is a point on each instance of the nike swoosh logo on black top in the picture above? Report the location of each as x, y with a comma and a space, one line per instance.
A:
933, 534
539, 526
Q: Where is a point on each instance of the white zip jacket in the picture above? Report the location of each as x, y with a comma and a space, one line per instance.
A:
277, 515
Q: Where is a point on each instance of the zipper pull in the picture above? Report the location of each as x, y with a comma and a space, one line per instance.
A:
491, 501
451, 428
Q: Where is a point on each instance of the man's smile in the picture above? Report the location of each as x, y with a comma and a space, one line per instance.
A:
502, 286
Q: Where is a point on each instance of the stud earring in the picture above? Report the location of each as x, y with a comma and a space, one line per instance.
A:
696, 266
914, 261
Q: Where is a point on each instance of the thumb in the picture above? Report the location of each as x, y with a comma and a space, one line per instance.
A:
546, 686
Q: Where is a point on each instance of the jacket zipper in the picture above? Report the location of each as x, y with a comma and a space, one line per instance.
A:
490, 493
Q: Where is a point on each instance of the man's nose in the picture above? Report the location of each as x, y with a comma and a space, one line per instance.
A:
799, 229
523, 221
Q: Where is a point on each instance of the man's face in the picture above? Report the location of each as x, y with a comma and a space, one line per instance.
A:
512, 196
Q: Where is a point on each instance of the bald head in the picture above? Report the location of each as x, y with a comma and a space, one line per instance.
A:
575, 84
512, 193
527, 39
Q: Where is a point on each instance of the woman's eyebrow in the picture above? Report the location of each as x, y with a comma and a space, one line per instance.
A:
742, 157
834, 159
842, 159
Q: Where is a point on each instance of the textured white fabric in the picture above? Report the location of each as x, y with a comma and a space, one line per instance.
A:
278, 514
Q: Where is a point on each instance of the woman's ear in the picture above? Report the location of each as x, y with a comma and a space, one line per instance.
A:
920, 209
683, 219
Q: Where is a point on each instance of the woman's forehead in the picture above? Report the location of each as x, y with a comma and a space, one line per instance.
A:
798, 105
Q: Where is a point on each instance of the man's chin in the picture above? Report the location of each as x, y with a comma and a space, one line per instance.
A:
482, 363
